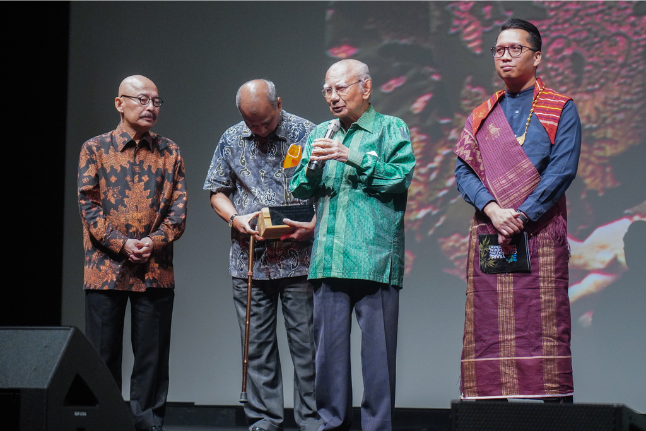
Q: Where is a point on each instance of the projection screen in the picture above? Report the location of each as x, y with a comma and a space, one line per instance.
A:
431, 65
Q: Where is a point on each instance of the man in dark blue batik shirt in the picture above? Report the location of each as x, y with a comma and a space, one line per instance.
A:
247, 174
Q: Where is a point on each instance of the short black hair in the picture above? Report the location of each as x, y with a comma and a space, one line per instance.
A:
534, 39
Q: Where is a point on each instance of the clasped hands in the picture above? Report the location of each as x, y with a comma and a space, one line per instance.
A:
138, 250
505, 220
300, 231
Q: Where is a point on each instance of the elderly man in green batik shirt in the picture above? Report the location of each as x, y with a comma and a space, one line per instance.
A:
358, 253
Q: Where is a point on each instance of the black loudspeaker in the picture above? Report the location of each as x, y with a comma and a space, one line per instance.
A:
530, 416
52, 379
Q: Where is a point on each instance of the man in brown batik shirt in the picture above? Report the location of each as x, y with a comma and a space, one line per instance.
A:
132, 199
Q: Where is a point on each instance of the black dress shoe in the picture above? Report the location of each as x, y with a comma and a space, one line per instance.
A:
155, 428
257, 429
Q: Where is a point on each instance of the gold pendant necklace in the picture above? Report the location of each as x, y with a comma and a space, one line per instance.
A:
521, 139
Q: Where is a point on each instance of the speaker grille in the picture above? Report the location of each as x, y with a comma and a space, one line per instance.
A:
519, 416
31, 367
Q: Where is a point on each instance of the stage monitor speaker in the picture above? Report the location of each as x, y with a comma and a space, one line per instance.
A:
52, 379
537, 416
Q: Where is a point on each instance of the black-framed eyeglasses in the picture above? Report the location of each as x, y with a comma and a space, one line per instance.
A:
145, 100
341, 90
514, 50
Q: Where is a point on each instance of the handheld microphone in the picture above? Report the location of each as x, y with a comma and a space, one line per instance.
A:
316, 165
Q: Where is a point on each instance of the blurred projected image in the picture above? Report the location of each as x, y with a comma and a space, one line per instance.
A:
431, 65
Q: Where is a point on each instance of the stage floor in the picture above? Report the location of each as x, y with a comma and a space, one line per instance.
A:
518, 415
189, 417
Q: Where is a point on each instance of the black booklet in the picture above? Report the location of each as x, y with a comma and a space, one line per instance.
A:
495, 260
303, 213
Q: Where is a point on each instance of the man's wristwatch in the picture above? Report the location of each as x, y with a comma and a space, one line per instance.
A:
234, 215
522, 217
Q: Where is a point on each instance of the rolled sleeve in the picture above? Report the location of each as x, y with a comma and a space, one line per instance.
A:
219, 177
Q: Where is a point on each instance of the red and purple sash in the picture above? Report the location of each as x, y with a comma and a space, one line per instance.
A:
489, 146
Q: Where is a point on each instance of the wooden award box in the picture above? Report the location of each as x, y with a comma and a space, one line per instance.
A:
270, 219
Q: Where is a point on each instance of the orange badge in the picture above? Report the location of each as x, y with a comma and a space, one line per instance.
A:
293, 156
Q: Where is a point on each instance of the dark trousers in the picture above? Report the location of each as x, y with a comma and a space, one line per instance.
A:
376, 306
265, 407
151, 313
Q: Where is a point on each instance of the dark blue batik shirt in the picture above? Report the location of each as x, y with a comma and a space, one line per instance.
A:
250, 172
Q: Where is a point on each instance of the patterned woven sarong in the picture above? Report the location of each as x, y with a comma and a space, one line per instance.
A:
517, 326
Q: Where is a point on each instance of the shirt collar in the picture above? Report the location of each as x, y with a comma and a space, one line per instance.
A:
520, 93
367, 119
121, 138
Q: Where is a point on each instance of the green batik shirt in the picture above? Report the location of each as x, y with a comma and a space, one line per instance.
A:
360, 204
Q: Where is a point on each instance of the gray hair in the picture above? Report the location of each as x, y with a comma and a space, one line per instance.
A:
271, 92
362, 72
361, 69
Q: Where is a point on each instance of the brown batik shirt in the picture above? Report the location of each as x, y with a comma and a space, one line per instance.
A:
128, 190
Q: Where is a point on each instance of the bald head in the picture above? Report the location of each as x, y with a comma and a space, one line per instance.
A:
260, 108
132, 84
253, 92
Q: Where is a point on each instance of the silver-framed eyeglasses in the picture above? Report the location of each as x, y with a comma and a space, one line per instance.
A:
514, 50
145, 100
341, 90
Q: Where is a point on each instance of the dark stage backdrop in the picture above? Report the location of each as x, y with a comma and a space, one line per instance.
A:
431, 65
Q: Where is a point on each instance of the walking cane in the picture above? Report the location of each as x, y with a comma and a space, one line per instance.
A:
243, 394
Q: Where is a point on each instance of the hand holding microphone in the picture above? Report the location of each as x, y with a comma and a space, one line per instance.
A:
325, 148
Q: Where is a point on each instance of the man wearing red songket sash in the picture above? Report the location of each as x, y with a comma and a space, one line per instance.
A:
517, 155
